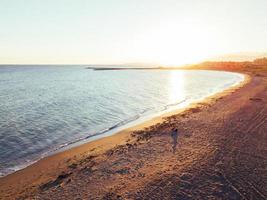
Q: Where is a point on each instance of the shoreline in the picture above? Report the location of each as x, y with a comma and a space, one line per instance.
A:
58, 165
133, 125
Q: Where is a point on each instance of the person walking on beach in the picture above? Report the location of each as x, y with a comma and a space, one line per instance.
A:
174, 135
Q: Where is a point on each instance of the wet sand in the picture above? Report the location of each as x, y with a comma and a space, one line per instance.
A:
221, 153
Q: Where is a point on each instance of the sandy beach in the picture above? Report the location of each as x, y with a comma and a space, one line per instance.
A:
221, 153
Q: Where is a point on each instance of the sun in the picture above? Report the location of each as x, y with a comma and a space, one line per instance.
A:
176, 44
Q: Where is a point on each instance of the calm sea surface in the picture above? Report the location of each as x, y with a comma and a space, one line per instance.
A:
43, 109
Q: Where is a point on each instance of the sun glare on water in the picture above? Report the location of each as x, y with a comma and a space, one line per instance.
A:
176, 86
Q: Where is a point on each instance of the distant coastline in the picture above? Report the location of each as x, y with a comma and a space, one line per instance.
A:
132, 68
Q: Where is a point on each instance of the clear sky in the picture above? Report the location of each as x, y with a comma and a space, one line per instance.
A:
167, 32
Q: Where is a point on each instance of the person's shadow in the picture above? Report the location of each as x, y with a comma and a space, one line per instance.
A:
174, 135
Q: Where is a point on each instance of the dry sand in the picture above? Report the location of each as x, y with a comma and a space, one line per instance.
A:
221, 153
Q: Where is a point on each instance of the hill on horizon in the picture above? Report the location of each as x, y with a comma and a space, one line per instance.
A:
239, 57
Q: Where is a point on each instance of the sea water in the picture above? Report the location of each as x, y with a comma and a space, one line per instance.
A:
45, 108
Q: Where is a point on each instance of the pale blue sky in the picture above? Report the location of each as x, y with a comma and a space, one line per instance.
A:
125, 31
